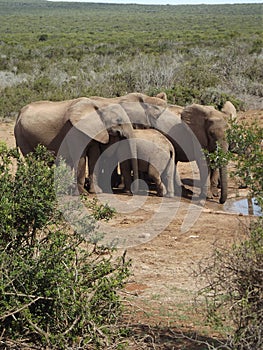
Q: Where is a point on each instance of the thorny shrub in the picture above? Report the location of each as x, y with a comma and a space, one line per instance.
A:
234, 292
57, 290
246, 146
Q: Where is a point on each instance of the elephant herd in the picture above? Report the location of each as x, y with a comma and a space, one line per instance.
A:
141, 134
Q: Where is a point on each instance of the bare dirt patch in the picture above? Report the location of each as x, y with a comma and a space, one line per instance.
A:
7, 134
160, 293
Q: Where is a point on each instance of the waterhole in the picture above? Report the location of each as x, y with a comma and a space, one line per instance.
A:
245, 206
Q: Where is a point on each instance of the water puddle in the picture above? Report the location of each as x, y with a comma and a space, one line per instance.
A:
243, 206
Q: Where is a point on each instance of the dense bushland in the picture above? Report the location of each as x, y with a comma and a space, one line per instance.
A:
234, 292
195, 53
57, 289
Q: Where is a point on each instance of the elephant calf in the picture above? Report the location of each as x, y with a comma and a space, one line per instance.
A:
155, 158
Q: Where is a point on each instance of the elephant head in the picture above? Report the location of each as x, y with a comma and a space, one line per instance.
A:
98, 122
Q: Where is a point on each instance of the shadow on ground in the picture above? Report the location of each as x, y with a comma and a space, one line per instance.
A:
146, 337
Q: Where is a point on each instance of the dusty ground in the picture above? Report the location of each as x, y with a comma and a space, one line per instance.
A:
161, 291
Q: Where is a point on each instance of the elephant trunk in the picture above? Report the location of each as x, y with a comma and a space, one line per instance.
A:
223, 177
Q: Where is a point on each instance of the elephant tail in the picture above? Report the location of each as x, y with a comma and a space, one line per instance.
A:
16, 133
170, 161
172, 155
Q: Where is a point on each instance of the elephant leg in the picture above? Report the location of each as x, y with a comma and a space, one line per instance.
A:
170, 173
81, 175
105, 174
121, 184
115, 178
214, 178
178, 186
125, 167
204, 179
209, 194
93, 153
154, 174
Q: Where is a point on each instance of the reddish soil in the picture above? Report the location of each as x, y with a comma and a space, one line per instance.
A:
160, 294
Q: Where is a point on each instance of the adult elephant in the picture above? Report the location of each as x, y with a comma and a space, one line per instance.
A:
73, 129
209, 126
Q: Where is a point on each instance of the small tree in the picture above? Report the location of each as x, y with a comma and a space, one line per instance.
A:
246, 144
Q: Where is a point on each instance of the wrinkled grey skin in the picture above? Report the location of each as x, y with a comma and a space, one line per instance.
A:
73, 129
188, 135
209, 126
155, 159
190, 130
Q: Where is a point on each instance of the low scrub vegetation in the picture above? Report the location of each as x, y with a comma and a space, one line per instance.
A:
246, 142
58, 290
56, 51
234, 292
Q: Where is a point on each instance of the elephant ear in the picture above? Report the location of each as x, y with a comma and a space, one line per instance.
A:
159, 100
195, 115
197, 118
84, 116
229, 109
162, 95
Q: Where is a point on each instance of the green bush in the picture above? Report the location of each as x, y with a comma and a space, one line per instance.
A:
235, 281
135, 48
246, 146
235, 291
28, 197
100, 211
57, 290
182, 95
